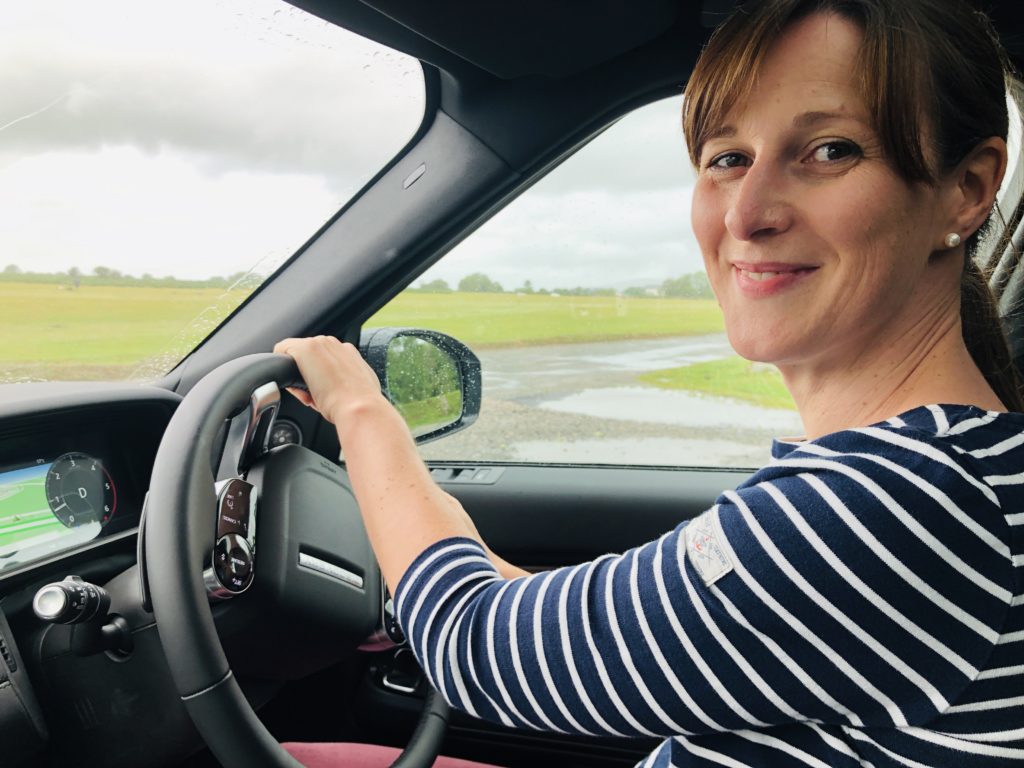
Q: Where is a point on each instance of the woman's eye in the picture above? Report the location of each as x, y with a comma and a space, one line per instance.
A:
727, 160
834, 151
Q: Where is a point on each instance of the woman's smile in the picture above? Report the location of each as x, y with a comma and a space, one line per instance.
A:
769, 278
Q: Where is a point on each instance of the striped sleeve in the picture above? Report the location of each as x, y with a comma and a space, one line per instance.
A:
837, 586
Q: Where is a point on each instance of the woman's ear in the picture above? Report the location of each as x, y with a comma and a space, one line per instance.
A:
977, 181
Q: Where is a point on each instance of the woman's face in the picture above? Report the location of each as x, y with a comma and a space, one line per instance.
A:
817, 251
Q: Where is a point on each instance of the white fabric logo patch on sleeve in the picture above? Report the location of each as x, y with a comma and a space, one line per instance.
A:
704, 539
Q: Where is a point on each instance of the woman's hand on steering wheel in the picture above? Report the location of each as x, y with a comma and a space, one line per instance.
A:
338, 380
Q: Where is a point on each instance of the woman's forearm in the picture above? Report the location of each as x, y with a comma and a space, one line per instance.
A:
404, 510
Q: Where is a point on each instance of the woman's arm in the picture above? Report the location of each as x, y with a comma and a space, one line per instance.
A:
810, 594
403, 508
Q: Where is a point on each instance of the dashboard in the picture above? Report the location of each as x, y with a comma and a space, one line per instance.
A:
75, 467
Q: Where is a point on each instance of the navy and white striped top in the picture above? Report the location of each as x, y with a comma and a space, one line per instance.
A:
856, 602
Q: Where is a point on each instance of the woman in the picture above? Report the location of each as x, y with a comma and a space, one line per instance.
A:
856, 601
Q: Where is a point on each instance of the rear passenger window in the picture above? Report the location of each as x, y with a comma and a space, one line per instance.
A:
599, 339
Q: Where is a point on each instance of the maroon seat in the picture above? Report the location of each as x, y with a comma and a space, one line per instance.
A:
343, 755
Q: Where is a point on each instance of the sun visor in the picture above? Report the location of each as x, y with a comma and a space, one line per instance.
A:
551, 38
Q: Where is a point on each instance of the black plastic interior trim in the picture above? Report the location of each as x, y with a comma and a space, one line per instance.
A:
543, 516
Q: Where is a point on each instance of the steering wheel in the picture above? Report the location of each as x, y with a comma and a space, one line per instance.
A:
314, 572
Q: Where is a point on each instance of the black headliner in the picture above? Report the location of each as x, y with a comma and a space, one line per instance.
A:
550, 38
553, 38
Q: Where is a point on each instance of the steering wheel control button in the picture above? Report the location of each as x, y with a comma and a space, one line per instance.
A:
236, 507
231, 570
233, 563
307, 560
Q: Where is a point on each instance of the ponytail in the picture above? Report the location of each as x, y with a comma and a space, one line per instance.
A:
984, 336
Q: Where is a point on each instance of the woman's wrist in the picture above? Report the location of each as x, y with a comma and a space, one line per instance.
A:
349, 415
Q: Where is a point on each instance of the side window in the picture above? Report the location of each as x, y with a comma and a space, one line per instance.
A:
599, 339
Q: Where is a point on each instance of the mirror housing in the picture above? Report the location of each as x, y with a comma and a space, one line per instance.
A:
432, 379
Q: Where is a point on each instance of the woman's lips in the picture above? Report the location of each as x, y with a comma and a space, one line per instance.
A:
759, 280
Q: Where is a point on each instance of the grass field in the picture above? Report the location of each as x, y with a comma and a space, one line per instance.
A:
501, 319
733, 377
94, 332
52, 332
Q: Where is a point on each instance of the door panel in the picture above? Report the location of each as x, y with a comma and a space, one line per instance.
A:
540, 516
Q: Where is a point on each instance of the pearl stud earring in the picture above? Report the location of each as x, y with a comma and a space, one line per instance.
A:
952, 240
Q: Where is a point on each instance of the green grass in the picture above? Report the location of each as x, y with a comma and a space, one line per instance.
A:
500, 319
51, 331
732, 377
424, 416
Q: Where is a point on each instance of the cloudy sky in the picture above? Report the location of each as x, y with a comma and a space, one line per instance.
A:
206, 137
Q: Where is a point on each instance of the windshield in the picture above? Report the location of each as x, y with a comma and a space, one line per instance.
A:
159, 161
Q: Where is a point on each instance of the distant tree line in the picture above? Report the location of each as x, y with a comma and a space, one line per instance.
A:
690, 286
75, 278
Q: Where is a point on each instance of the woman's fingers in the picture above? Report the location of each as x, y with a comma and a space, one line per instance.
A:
334, 372
303, 396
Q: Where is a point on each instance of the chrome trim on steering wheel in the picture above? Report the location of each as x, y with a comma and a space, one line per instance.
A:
307, 560
263, 406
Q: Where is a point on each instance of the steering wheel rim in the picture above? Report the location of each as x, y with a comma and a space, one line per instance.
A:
179, 532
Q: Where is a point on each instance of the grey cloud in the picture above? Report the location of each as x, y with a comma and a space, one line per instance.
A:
643, 150
594, 239
613, 215
272, 114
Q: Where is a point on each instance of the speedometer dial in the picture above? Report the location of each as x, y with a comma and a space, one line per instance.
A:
79, 490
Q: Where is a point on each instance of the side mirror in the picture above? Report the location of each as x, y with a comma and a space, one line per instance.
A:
432, 379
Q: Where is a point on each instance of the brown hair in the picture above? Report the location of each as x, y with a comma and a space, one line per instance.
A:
923, 63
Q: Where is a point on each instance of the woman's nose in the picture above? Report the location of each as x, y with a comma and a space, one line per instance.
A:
758, 207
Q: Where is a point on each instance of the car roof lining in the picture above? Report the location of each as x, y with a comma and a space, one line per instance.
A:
548, 38
551, 38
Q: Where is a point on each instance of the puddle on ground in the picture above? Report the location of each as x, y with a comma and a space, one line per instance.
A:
631, 355
649, 451
657, 356
678, 408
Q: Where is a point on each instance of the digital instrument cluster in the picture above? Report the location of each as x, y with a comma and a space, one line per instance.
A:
70, 478
52, 505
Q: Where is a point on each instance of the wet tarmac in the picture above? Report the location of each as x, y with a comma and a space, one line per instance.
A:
675, 407
520, 373
582, 403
